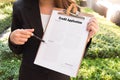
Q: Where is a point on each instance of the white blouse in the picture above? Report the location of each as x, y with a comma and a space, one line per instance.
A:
45, 19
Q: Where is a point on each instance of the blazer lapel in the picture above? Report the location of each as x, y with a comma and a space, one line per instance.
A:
33, 17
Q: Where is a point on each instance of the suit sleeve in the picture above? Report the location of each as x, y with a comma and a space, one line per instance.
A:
87, 46
16, 24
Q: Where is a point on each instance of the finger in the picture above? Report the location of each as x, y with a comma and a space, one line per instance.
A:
75, 9
25, 36
21, 34
30, 30
17, 38
90, 35
92, 27
21, 41
69, 9
93, 19
88, 38
95, 22
92, 32
27, 32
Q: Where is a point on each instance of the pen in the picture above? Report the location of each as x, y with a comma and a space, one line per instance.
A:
38, 38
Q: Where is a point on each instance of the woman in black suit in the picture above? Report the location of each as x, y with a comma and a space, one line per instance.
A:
31, 16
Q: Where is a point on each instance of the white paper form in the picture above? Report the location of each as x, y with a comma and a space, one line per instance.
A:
65, 41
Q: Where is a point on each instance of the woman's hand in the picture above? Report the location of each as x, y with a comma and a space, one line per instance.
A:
92, 28
20, 36
92, 25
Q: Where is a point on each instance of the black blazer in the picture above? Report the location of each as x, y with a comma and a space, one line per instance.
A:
26, 15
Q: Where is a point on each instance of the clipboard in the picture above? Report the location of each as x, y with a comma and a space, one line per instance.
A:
65, 41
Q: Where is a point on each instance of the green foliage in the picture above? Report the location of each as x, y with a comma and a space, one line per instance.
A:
6, 8
106, 43
9, 63
5, 15
3, 51
9, 69
100, 69
5, 23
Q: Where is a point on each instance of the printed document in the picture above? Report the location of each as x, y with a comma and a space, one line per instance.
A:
65, 41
